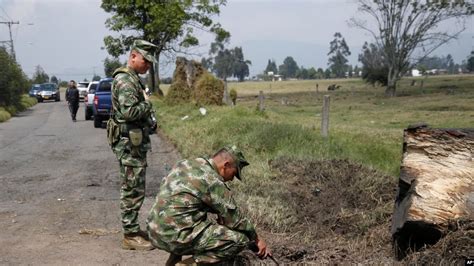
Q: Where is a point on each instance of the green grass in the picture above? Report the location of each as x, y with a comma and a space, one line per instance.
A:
8, 111
365, 127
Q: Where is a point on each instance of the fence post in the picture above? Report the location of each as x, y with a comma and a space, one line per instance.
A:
325, 117
225, 98
261, 98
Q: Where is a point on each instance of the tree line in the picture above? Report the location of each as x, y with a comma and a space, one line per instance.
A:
399, 29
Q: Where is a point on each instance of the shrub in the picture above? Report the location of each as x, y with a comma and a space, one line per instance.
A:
233, 96
209, 90
4, 115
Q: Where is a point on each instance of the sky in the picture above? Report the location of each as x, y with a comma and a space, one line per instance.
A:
65, 37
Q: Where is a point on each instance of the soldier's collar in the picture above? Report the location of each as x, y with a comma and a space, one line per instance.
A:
213, 165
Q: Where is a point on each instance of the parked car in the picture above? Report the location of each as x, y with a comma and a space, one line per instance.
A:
82, 87
49, 91
89, 100
35, 90
102, 101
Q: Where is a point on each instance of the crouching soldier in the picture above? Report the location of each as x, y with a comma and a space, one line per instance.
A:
178, 221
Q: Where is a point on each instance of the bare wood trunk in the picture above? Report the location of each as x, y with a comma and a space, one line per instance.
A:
155, 77
436, 185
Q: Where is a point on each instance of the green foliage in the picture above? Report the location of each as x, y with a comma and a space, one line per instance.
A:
233, 96
209, 90
339, 51
110, 65
289, 68
470, 62
271, 67
4, 115
163, 23
374, 64
54, 79
13, 82
63, 83
40, 76
96, 78
227, 62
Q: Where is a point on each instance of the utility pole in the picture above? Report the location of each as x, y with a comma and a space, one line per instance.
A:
12, 49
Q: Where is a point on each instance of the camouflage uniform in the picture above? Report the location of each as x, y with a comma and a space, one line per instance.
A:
178, 221
130, 111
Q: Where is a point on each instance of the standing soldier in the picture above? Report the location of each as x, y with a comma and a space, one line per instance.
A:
128, 133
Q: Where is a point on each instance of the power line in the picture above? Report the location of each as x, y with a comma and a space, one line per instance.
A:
10, 23
6, 13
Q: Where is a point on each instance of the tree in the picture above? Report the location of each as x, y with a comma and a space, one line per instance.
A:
13, 82
339, 50
271, 67
327, 73
320, 73
470, 62
374, 64
170, 25
403, 26
240, 65
450, 64
40, 76
110, 65
96, 77
289, 68
312, 73
54, 79
226, 63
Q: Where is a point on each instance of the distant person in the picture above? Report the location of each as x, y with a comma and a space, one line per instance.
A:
128, 133
72, 97
179, 220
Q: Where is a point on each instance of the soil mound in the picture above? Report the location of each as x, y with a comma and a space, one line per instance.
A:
343, 211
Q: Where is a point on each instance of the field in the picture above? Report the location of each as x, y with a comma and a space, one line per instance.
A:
318, 199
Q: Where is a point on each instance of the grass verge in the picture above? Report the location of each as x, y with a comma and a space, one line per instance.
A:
8, 111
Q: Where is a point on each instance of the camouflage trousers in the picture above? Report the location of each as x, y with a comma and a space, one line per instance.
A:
132, 194
218, 244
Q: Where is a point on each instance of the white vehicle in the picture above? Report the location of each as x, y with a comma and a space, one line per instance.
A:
82, 87
89, 99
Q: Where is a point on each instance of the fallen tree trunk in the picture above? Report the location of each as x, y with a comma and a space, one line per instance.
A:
436, 185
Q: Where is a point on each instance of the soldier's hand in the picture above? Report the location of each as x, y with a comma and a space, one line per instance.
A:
263, 250
146, 96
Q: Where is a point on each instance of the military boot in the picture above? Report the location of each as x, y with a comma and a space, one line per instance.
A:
136, 242
173, 259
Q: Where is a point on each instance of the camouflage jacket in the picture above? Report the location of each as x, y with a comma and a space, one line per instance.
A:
191, 191
130, 109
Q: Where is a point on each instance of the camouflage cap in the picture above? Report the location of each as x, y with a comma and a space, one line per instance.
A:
239, 159
147, 49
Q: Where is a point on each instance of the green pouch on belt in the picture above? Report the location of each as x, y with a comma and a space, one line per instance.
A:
136, 136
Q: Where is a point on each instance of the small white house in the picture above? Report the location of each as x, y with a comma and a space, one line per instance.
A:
415, 73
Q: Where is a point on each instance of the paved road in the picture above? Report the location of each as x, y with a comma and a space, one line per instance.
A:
60, 178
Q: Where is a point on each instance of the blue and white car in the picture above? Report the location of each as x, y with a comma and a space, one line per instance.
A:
35, 90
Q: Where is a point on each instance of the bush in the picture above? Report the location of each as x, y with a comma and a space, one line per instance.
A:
209, 90
233, 96
13, 82
4, 115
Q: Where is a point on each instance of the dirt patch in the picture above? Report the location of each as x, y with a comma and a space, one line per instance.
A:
342, 209
343, 212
